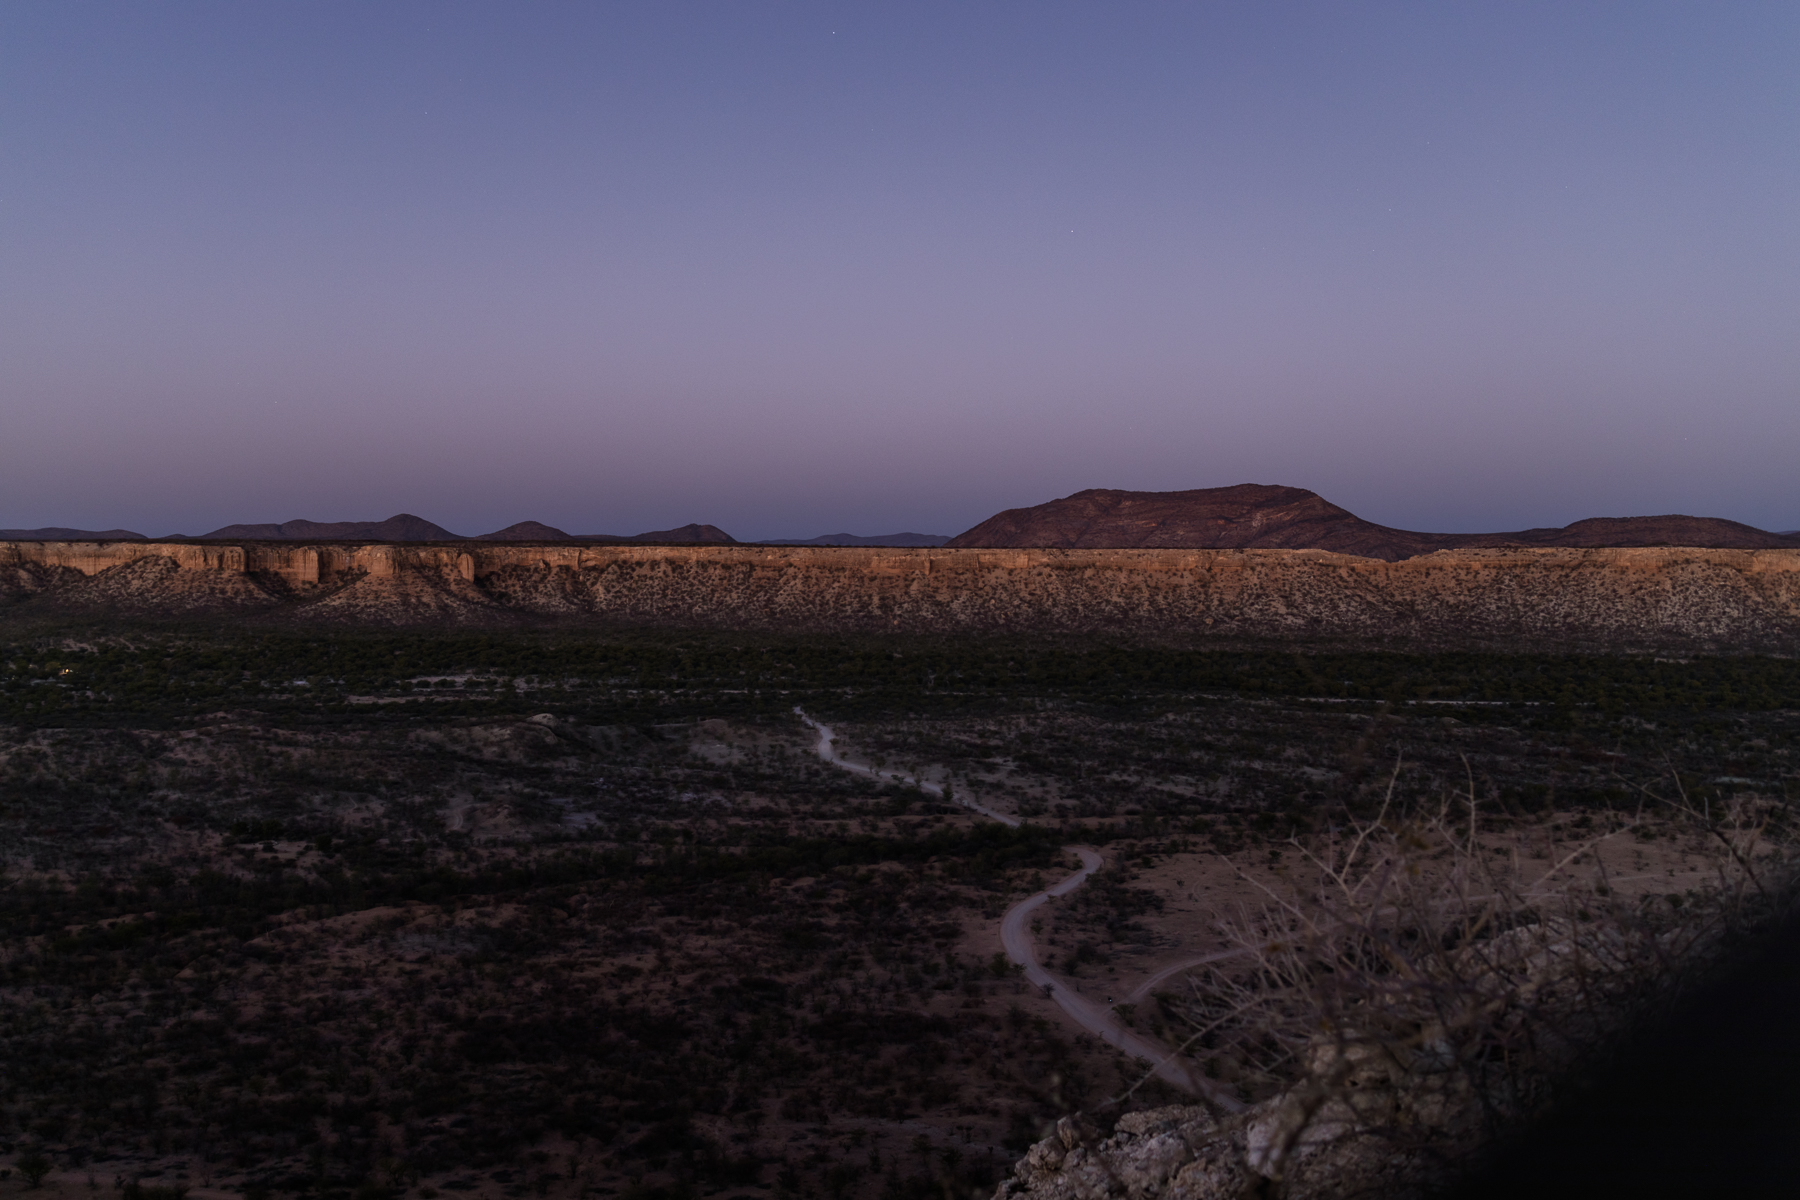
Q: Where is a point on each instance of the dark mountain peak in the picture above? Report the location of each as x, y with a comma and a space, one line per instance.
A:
525, 531
1261, 516
1239, 517
688, 533
405, 527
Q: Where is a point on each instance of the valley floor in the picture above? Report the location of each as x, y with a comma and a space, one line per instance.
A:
533, 917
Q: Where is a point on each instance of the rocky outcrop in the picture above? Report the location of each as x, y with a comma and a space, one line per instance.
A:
1259, 516
1643, 598
1284, 1147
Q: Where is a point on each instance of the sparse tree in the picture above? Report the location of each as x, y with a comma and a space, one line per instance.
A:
1428, 979
33, 1165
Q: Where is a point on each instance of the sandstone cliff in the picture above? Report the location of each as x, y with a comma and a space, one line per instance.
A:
1724, 599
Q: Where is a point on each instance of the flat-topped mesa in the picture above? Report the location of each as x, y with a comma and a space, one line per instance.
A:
1263, 516
1586, 598
1246, 516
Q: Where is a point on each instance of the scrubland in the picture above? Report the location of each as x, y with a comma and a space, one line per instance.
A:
427, 915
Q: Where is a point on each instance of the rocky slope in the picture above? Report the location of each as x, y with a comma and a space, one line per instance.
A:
1259, 516
1612, 598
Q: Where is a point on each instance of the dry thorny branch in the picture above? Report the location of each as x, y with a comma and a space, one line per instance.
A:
1425, 977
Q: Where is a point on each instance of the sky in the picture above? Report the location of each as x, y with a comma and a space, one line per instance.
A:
796, 268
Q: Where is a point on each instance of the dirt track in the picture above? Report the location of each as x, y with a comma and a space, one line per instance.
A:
1015, 937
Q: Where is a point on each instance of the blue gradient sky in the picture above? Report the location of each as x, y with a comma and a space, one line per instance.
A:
798, 268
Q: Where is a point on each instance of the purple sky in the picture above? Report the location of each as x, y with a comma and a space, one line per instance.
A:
802, 268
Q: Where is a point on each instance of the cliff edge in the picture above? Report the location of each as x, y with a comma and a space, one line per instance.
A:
1599, 599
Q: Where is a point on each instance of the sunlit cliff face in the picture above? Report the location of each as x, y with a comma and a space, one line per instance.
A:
1562, 596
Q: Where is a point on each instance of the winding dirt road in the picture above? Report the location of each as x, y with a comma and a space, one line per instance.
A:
1015, 938
825, 751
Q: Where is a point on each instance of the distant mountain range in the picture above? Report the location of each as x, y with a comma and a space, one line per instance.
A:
1261, 516
407, 528
536, 531
1247, 516
402, 528
57, 533
851, 539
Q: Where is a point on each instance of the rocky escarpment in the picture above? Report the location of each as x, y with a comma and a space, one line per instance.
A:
1662, 597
